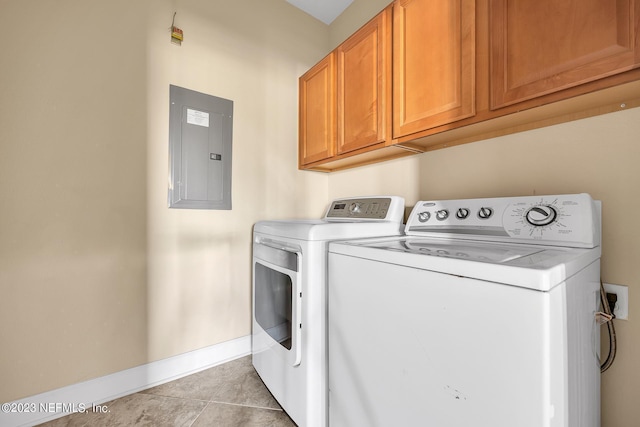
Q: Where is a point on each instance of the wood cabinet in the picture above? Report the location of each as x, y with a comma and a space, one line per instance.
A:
433, 63
345, 101
364, 86
458, 71
543, 46
317, 112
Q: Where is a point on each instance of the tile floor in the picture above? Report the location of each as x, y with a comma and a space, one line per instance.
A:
231, 394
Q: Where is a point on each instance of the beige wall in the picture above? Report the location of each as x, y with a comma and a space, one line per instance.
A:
96, 273
598, 155
199, 261
73, 193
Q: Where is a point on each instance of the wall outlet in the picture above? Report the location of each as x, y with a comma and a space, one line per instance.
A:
621, 310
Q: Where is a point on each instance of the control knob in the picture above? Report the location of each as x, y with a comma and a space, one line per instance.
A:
442, 214
541, 215
485, 213
424, 216
462, 213
355, 208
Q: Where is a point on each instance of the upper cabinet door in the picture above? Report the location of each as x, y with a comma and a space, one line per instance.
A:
543, 46
364, 85
317, 109
433, 63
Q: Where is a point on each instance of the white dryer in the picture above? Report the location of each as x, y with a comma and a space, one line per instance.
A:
289, 334
482, 315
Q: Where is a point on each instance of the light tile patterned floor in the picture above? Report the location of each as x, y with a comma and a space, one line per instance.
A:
231, 394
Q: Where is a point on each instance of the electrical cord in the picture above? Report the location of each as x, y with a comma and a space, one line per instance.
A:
610, 328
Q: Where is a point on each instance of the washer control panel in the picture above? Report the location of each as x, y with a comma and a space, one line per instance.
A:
571, 220
386, 208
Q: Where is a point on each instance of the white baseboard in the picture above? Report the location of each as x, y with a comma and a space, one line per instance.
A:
82, 396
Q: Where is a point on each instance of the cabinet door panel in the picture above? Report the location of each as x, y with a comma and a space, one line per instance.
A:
542, 46
317, 126
433, 63
364, 72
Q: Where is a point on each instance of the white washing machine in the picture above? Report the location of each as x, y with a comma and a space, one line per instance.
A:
482, 315
289, 336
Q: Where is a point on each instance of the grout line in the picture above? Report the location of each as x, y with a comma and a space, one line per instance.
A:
198, 416
212, 401
246, 406
174, 397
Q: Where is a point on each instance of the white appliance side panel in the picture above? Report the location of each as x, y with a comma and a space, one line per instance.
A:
583, 335
412, 347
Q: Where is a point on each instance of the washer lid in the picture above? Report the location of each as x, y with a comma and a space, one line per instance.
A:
528, 266
470, 251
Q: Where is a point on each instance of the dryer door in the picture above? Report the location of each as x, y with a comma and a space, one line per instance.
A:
277, 298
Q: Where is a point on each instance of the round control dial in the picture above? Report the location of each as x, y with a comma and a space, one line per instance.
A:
485, 213
541, 215
462, 213
355, 208
424, 216
442, 214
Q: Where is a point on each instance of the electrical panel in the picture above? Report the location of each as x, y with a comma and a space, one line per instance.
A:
200, 131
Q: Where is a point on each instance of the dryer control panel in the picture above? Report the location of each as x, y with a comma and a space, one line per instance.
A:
387, 208
571, 220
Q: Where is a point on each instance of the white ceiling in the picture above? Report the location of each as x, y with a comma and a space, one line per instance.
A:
323, 10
